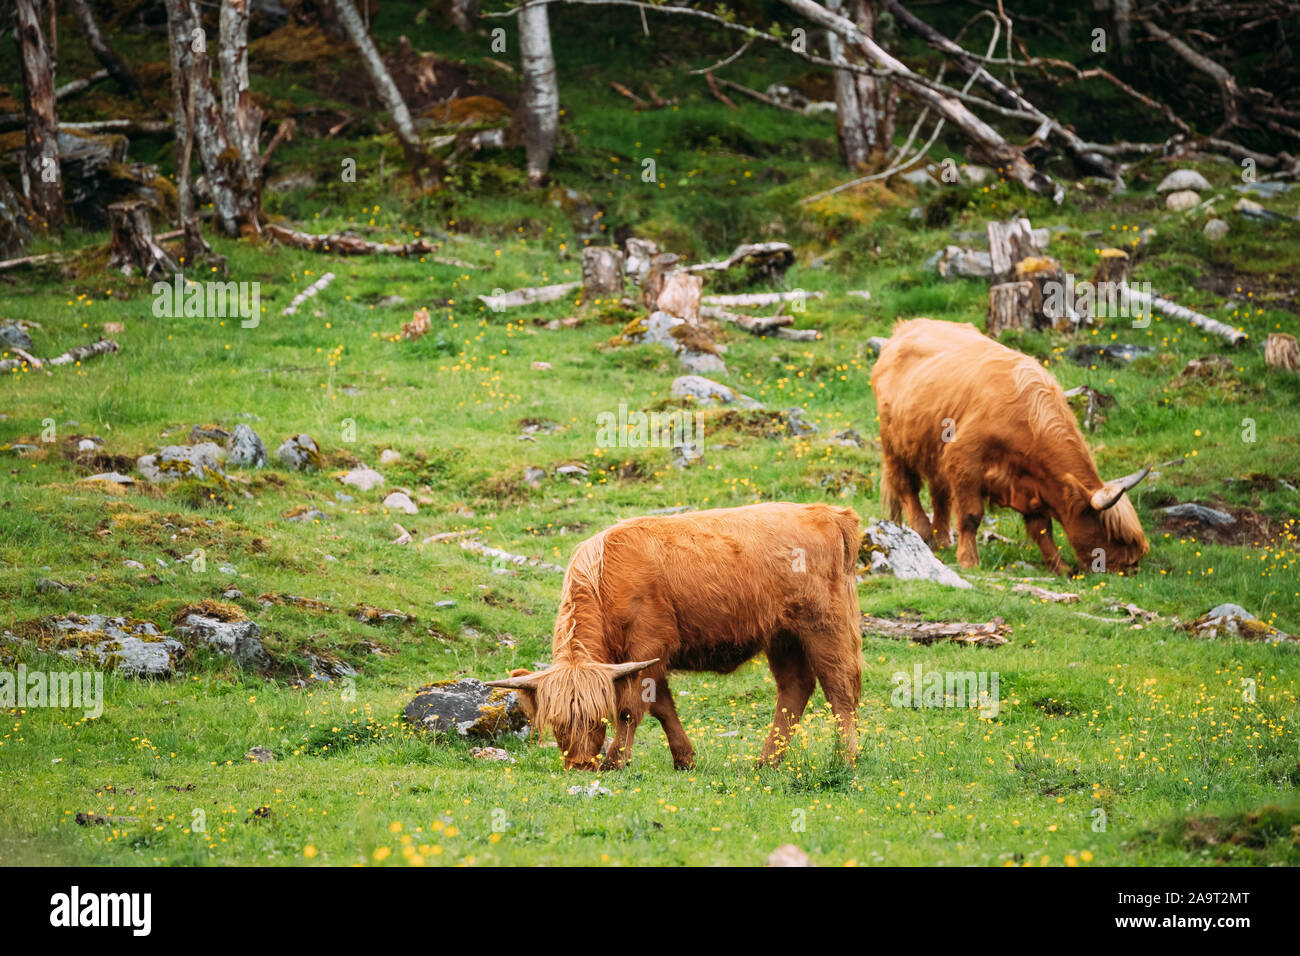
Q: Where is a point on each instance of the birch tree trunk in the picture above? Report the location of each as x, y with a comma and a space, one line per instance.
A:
104, 53
858, 99
243, 120
379, 76
42, 177
235, 200
541, 91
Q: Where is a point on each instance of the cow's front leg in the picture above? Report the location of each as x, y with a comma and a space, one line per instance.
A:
665, 711
1039, 530
620, 750
941, 499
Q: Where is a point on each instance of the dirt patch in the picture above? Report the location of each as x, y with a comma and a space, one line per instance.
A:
1249, 528
1276, 293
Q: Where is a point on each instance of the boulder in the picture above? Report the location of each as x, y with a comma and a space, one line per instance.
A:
129, 647
299, 453
400, 501
705, 391
182, 461
468, 708
900, 551
1235, 621
954, 262
693, 348
241, 639
1201, 514
246, 450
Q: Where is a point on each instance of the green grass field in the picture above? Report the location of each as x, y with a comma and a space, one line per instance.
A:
1147, 724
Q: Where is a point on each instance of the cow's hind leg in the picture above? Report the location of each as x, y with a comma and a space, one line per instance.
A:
941, 499
904, 490
795, 683
835, 654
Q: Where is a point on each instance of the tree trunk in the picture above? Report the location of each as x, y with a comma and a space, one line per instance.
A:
464, 15
382, 81
1111, 268
183, 126
1009, 242
858, 96
541, 92
41, 175
1281, 351
996, 150
1051, 301
104, 53
1010, 307
602, 273
133, 245
235, 201
242, 120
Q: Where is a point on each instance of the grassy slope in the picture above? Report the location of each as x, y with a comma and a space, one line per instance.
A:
1147, 724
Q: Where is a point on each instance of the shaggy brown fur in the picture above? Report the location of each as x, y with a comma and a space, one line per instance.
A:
977, 420
704, 591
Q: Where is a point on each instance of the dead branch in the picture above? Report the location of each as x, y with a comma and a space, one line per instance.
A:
1173, 310
79, 353
344, 244
533, 296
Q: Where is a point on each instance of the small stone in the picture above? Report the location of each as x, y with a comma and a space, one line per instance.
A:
212, 433
1216, 229
363, 479
1181, 200
1184, 180
389, 456
259, 755
400, 501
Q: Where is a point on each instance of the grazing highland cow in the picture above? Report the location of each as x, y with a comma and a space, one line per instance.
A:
977, 420
704, 591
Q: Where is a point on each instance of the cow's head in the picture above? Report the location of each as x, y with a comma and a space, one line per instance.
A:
575, 701
1103, 526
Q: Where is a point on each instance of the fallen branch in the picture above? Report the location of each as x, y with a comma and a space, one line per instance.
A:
519, 560
990, 634
346, 245
1056, 597
283, 134
532, 296
754, 324
720, 96
79, 353
30, 260
307, 293
749, 250
142, 127
760, 298
1173, 310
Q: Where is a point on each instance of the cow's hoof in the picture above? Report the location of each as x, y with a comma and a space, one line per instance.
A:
684, 763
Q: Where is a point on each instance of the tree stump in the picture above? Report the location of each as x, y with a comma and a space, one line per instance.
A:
681, 296
1052, 302
1113, 267
1011, 306
1282, 352
602, 273
1009, 243
133, 244
644, 267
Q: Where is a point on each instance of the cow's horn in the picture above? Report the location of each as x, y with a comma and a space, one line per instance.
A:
1109, 493
630, 667
522, 682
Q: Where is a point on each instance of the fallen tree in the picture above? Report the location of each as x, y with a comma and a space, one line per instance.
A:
343, 244
76, 354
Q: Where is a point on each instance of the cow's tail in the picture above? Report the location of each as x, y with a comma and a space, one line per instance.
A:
889, 502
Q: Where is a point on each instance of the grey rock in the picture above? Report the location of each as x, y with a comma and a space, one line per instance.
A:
131, 648
1182, 200
363, 479
400, 501
1202, 514
797, 424
241, 640
246, 449
14, 336
182, 461
113, 477
899, 551
300, 453
954, 262
708, 392
1118, 353
534, 475
259, 755
876, 343
1216, 229
212, 433
49, 585
1269, 190
849, 438
658, 331
468, 708
1184, 179
1233, 620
